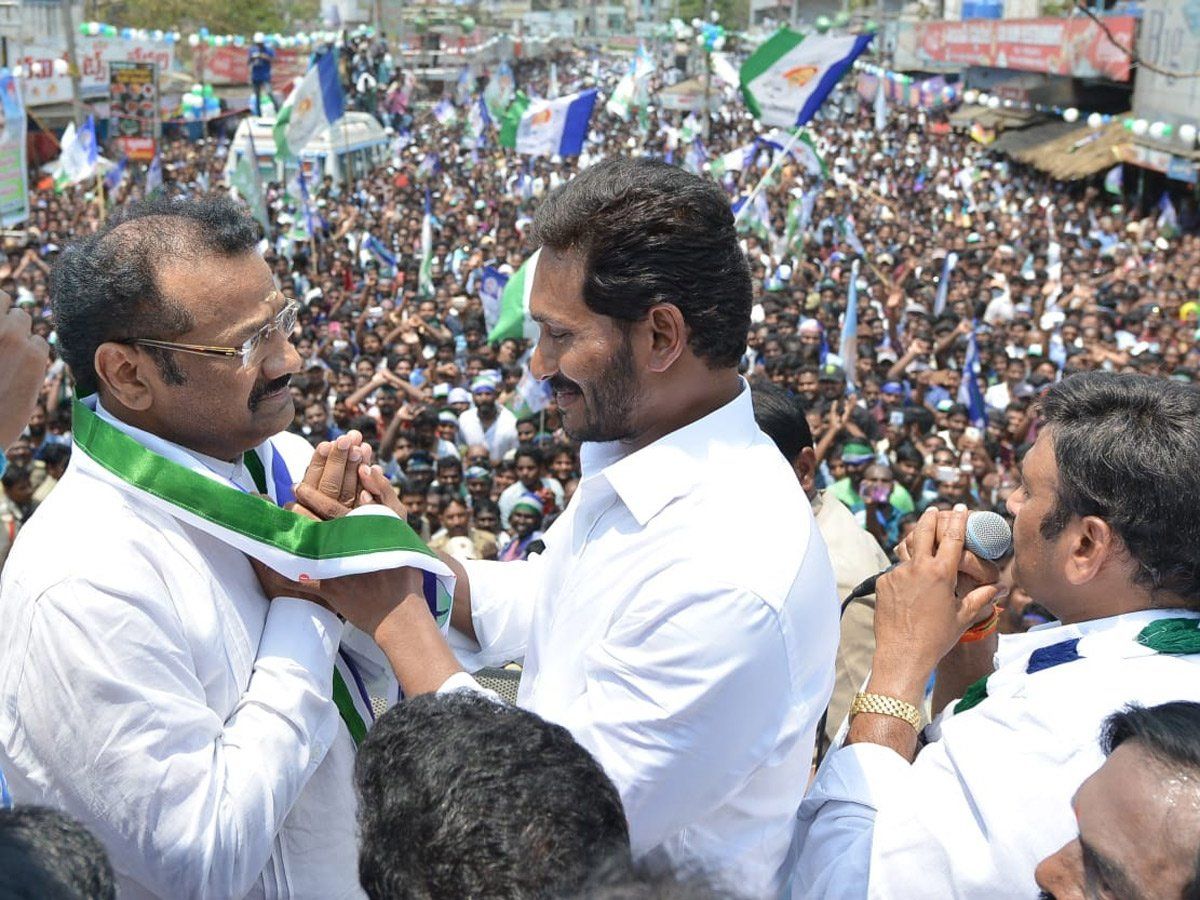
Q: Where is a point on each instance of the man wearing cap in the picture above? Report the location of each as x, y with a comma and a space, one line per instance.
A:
856, 456
488, 423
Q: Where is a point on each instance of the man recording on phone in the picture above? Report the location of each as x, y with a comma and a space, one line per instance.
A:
1104, 537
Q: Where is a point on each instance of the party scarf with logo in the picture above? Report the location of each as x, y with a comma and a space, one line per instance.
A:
368, 540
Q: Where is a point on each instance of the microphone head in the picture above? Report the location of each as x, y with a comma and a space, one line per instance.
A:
988, 535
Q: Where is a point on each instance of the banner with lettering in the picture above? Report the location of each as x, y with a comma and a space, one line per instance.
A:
42, 87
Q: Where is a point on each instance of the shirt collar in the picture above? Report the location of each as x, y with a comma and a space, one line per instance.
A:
646, 480
233, 472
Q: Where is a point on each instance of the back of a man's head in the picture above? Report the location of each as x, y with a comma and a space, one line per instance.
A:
1127, 449
651, 233
781, 417
463, 797
46, 855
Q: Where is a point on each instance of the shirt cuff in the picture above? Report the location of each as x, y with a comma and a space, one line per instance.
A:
461, 681
305, 633
865, 774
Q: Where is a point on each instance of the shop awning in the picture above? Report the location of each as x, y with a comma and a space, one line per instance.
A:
1079, 152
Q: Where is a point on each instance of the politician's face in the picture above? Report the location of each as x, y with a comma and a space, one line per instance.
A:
215, 404
587, 357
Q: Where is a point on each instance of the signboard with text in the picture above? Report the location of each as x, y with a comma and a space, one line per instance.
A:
133, 108
1170, 40
14, 174
42, 87
1076, 47
231, 65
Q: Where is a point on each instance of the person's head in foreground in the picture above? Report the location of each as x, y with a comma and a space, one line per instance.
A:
643, 296
1138, 815
46, 855
170, 312
1105, 516
460, 796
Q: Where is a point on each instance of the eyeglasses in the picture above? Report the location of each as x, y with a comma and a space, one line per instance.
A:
253, 350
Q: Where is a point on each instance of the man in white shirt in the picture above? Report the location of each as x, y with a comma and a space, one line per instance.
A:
1105, 538
147, 685
488, 422
692, 659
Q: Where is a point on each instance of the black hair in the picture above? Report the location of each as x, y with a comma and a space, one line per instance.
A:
651, 233
55, 454
1170, 734
15, 475
460, 796
46, 855
105, 287
781, 416
1127, 448
532, 452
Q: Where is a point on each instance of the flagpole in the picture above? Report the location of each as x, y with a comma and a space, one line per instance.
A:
100, 196
775, 164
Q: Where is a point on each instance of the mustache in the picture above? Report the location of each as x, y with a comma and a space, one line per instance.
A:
559, 383
267, 387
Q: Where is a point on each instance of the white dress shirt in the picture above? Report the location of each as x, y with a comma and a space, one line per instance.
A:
691, 656
990, 797
499, 437
150, 690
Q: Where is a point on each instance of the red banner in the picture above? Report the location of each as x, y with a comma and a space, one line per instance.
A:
231, 65
1075, 47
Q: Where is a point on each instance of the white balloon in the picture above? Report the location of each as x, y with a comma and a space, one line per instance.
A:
193, 40
1187, 134
1157, 130
1095, 120
61, 67
1071, 114
970, 96
993, 102
1140, 127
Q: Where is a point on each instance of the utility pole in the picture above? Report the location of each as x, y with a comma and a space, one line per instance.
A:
68, 27
707, 76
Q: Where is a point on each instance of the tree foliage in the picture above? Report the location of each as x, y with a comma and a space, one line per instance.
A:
218, 16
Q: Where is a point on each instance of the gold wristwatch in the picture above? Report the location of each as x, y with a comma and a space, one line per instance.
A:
886, 706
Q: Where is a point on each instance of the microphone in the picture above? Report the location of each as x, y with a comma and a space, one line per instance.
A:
988, 536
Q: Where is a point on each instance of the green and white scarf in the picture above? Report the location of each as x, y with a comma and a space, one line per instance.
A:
368, 540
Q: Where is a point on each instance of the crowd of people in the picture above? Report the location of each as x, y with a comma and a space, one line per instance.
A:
981, 288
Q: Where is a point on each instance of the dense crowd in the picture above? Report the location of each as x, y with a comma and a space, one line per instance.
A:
1051, 278
978, 286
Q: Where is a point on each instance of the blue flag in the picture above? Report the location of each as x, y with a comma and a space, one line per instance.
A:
970, 394
382, 254
116, 175
848, 348
491, 289
939, 302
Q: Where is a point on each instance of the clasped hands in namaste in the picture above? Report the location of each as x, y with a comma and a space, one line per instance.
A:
341, 477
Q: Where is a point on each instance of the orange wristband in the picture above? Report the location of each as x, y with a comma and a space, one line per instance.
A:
983, 629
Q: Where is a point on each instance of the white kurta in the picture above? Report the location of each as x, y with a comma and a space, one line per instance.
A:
499, 438
991, 796
151, 690
692, 657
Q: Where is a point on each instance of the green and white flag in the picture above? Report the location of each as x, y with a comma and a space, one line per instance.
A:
785, 81
245, 181
315, 102
514, 321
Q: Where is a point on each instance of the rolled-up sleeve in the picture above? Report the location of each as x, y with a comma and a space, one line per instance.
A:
503, 597
109, 704
837, 820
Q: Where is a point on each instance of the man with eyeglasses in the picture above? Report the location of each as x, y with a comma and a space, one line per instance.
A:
148, 686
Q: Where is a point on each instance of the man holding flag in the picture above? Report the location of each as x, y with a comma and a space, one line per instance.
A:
204, 732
